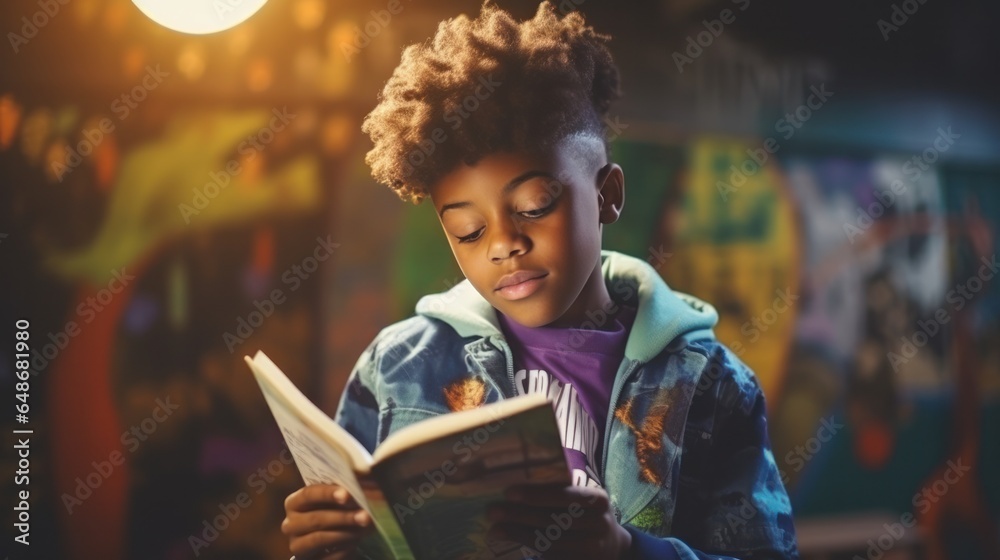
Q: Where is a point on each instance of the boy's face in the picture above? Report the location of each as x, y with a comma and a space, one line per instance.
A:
526, 229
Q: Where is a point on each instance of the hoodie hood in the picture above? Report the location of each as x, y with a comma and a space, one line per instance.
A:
662, 316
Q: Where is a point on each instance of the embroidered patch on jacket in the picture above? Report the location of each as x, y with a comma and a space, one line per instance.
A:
465, 394
649, 435
651, 519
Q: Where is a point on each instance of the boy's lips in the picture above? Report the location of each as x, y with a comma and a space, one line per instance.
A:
517, 277
520, 284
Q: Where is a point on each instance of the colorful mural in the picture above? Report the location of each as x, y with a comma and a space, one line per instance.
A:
735, 240
146, 394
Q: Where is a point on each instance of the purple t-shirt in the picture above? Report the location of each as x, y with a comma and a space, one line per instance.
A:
576, 368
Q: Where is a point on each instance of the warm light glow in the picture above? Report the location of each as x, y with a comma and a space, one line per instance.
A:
10, 117
260, 73
191, 62
199, 16
309, 14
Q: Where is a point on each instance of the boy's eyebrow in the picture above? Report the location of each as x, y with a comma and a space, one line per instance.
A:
511, 185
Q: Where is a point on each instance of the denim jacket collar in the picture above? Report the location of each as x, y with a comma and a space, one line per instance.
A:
663, 317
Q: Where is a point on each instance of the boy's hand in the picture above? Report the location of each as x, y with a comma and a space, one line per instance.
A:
580, 518
323, 522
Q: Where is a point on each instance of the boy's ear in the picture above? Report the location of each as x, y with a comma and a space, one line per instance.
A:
611, 193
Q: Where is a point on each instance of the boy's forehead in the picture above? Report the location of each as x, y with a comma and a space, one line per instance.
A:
571, 158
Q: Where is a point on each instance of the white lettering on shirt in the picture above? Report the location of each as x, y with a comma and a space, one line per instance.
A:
577, 429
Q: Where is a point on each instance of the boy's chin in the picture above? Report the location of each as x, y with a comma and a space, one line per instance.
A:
526, 312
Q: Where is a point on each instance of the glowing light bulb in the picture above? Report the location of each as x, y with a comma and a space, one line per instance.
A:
199, 16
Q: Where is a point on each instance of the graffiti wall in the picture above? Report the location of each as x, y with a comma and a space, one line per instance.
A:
866, 303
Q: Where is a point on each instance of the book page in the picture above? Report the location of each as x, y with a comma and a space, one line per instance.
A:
439, 490
453, 423
324, 452
318, 461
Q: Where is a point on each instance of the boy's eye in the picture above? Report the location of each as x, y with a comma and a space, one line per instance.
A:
537, 213
530, 214
471, 237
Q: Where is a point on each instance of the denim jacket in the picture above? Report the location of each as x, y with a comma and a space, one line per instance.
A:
687, 462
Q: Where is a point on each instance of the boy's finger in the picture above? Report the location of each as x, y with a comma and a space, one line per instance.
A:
516, 533
320, 496
526, 492
311, 545
557, 496
324, 520
571, 518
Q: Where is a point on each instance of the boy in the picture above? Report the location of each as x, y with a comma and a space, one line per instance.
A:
500, 124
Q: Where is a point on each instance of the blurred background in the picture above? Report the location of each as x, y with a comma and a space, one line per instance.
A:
827, 174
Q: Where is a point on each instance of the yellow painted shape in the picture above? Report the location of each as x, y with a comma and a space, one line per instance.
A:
737, 246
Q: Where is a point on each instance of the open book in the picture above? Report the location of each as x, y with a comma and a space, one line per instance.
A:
427, 485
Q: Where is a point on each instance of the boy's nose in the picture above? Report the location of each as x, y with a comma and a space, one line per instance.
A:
507, 240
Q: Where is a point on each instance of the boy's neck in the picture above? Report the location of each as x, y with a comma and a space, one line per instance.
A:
593, 300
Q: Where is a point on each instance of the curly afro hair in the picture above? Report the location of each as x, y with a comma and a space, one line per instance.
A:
488, 85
